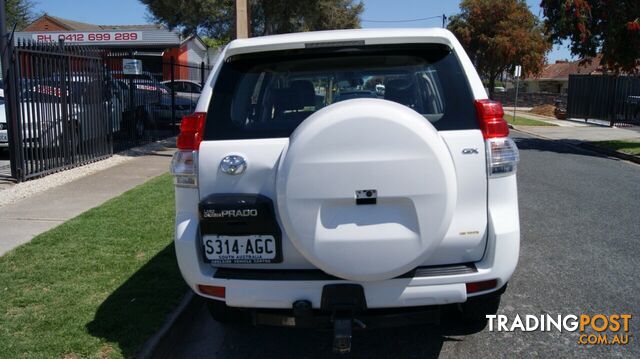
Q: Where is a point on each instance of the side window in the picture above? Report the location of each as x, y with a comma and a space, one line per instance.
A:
430, 92
193, 88
181, 87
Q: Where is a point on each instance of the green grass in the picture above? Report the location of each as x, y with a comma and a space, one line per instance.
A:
629, 146
98, 285
521, 121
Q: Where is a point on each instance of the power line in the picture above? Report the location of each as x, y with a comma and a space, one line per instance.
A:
407, 20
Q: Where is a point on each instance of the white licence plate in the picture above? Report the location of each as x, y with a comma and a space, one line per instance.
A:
240, 249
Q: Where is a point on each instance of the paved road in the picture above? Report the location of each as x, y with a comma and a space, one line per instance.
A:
580, 254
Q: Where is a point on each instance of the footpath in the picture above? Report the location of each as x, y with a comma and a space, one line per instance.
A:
582, 134
25, 218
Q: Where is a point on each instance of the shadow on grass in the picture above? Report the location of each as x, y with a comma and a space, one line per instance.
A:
139, 307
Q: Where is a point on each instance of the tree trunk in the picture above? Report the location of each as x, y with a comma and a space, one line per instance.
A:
492, 84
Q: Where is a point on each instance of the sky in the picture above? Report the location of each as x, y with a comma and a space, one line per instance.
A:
127, 12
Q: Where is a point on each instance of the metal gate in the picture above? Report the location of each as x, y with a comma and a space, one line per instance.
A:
154, 101
69, 105
606, 97
58, 108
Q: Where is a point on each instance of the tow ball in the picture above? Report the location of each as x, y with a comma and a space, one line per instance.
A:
343, 301
343, 322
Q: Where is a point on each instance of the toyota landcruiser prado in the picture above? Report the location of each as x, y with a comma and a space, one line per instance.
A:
346, 178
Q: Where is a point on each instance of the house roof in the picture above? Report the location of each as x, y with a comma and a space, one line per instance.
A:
73, 25
196, 39
562, 69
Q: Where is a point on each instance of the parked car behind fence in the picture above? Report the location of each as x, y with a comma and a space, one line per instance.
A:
66, 107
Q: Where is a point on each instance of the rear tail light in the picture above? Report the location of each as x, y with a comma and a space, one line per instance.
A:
191, 128
502, 157
184, 168
502, 153
184, 163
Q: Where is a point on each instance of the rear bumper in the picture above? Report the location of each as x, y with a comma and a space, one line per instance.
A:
394, 293
498, 263
323, 319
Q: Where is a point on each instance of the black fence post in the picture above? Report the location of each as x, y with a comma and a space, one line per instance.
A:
202, 74
67, 127
612, 104
172, 63
13, 101
113, 109
131, 92
7, 58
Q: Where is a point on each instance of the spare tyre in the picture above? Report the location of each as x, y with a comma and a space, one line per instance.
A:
374, 146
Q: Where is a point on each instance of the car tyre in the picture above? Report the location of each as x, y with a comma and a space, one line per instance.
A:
140, 124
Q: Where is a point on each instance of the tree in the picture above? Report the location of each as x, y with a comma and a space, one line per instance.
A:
216, 18
19, 12
611, 28
498, 35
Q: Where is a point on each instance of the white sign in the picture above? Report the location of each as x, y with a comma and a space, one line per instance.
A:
89, 36
131, 66
518, 71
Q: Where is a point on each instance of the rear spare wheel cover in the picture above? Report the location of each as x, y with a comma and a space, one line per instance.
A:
366, 144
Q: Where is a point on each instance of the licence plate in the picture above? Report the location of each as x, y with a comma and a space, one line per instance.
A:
240, 249
3, 137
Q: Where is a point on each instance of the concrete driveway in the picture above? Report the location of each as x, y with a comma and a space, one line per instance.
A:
580, 255
5, 169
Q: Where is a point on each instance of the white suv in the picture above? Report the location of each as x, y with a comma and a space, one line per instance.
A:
306, 196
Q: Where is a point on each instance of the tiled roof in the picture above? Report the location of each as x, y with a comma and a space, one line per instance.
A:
82, 26
562, 70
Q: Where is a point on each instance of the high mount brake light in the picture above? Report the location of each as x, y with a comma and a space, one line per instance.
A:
185, 160
502, 153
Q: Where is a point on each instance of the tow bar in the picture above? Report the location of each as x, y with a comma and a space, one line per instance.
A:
343, 301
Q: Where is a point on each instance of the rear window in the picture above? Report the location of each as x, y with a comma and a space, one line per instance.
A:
269, 94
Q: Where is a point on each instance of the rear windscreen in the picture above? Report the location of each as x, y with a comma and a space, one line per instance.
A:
268, 95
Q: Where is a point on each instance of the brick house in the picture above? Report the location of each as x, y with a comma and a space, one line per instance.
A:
555, 77
154, 44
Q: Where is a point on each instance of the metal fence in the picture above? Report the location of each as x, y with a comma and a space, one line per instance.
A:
58, 108
70, 105
605, 97
153, 102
